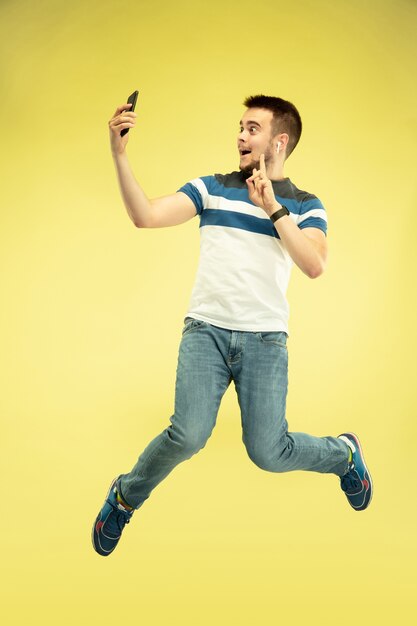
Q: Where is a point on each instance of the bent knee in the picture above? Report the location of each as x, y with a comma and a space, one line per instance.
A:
192, 446
268, 461
190, 442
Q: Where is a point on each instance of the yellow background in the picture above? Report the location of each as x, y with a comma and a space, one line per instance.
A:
92, 312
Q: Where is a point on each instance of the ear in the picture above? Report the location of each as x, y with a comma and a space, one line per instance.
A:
283, 138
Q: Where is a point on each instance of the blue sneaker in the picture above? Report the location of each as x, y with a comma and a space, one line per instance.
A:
357, 482
110, 522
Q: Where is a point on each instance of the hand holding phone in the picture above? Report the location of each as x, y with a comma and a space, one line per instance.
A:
123, 119
131, 100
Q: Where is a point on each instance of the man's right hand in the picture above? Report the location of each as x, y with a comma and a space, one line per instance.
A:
123, 118
144, 213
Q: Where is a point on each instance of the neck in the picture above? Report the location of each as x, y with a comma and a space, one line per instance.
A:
275, 169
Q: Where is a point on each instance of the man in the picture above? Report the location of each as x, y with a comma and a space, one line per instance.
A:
254, 224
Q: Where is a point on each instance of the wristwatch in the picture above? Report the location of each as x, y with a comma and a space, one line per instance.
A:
282, 211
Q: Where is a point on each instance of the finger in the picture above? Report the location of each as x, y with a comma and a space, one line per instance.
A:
119, 124
127, 114
126, 117
262, 164
261, 184
122, 107
254, 175
251, 186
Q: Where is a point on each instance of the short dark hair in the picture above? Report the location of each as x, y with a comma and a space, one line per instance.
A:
286, 118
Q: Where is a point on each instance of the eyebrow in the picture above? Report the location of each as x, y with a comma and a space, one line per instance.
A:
250, 122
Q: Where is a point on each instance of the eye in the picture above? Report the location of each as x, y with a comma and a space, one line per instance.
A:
251, 129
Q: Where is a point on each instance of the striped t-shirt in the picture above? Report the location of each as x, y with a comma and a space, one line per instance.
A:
244, 268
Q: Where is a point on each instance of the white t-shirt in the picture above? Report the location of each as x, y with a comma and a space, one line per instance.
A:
244, 268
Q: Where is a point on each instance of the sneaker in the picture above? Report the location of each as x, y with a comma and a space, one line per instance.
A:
110, 522
357, 482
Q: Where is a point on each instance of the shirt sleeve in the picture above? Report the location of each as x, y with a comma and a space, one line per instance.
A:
197, 190
313, 214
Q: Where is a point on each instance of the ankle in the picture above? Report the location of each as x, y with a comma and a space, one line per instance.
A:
124, 504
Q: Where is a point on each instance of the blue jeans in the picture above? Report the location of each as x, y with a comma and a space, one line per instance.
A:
209, 359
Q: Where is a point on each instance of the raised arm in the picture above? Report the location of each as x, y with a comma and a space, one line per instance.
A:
307, 249
168, 210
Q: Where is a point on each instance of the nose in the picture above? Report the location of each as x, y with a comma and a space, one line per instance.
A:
242, 135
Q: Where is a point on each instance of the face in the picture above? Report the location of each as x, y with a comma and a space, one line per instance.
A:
254, 139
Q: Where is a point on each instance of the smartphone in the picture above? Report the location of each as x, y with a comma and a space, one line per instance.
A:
131, 99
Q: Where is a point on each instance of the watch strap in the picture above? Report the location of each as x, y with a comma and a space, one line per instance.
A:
282, 211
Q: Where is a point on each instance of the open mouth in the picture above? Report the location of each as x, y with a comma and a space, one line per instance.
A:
244, 152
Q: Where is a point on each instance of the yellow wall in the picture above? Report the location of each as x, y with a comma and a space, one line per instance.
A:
92, 312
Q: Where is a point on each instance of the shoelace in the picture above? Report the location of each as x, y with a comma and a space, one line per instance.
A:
350, 480
117, 519
122, 520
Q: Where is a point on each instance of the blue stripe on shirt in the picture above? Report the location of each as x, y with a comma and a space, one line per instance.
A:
309, 205
314, 222
192, 192
234, 219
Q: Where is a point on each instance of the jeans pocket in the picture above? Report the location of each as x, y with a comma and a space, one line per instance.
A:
274, 337
191, 324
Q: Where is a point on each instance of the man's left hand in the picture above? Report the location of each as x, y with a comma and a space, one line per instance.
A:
260, 189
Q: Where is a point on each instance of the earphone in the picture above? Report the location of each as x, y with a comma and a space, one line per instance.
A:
278, 145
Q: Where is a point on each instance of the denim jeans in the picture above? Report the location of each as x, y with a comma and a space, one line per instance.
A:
209, 358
